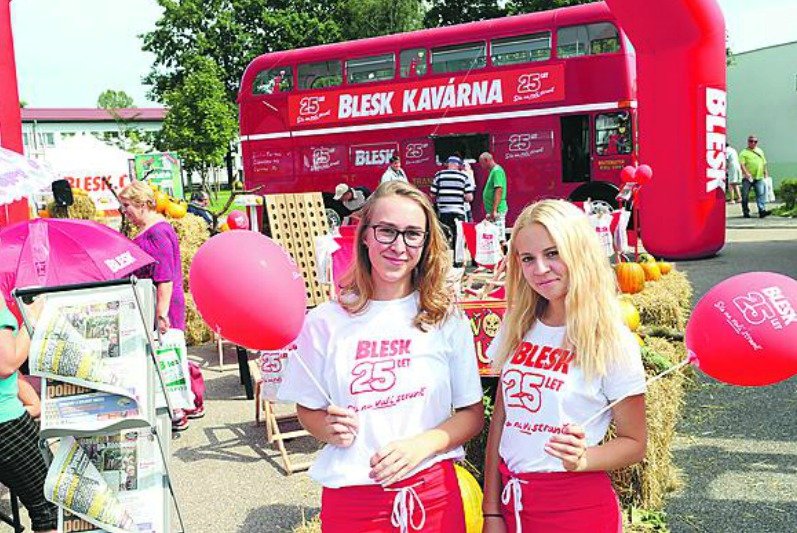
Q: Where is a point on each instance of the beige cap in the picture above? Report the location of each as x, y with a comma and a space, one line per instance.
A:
340, 190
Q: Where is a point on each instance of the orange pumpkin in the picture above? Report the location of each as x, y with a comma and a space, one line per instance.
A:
161, 201
224, 227
665, 267
629, 313
43, 213
630, 277
652, 272
176, 209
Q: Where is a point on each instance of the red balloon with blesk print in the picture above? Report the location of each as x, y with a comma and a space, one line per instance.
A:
744, 330
237, 220
249, 290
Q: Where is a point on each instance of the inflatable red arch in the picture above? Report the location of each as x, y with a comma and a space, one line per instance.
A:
680, 48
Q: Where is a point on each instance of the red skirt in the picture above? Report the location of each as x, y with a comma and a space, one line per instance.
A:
559, 501
429, 501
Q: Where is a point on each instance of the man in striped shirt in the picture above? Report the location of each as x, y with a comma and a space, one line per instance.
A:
450, 189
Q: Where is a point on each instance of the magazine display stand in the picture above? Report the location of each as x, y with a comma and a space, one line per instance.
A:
105, 422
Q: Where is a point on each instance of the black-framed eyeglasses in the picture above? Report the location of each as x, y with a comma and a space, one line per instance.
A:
413, 238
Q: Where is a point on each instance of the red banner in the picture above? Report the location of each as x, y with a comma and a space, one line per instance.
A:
485, 319
460, 92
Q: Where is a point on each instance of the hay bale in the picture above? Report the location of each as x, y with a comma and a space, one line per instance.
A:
646, 485
82, 208
196, 331
665, 302
192, 232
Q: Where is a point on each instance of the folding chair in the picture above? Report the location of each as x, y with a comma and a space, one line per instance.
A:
274, 434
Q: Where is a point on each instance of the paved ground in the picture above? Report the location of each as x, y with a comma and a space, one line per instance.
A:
737, 446
737, 449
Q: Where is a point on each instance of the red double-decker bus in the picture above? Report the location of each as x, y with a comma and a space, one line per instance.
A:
551, 95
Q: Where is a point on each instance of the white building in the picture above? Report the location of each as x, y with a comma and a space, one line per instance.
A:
762, 100
43, 128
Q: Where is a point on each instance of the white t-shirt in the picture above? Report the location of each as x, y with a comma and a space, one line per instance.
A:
543, 389
400, 380
393, 175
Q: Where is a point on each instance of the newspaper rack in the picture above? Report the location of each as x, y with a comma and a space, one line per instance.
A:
108, 414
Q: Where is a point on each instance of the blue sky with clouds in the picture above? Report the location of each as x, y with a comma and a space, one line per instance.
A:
68, 52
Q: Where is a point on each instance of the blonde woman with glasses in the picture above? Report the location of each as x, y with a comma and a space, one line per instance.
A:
391, 382
564, 354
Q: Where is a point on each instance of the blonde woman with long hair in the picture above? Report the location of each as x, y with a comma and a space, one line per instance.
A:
397, 368
564, 354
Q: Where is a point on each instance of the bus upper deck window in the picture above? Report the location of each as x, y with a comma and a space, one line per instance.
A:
373, 68
413, 63
272, 81
459, 58
521, 49
572, 41
613, 133
603, 38
320, 75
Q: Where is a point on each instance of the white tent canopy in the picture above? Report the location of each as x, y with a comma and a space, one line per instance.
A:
84, 160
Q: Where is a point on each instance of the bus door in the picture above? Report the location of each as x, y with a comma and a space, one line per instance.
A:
575, 149
467, 146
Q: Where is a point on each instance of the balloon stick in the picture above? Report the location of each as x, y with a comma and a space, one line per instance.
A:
655, 378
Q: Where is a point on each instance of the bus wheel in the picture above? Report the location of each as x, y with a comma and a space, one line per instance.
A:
597, 191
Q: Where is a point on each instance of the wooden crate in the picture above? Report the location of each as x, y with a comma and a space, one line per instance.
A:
295, 221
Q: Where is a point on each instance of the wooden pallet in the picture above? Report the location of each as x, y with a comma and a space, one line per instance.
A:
295, 221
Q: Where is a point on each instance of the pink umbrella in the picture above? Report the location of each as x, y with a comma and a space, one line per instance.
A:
50, 251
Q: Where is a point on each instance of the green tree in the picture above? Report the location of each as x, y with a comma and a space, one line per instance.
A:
371, 18
113, 100
515, 7
23, 104
450, 12
200, 121
231, 33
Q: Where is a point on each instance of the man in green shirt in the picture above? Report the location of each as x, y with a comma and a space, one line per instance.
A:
754, 170
494, 194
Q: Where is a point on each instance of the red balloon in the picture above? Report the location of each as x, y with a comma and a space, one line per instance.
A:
627, 174
744, 330
643, 174
249, 290
237, 220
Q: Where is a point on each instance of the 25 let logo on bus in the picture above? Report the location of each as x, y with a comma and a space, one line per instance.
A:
310, 109
530, 86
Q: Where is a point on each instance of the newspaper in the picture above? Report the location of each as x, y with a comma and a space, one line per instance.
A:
94, 339
69, 409
121, 477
